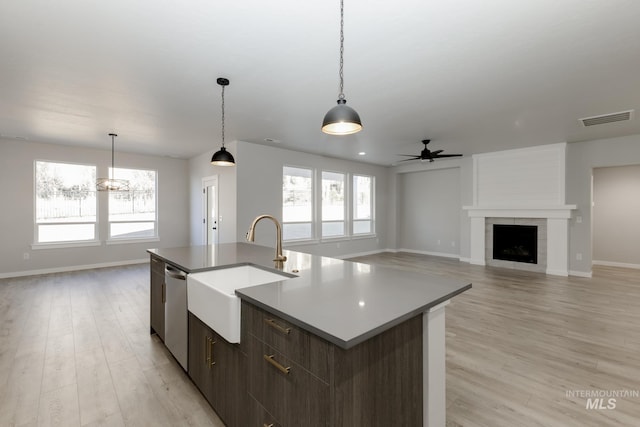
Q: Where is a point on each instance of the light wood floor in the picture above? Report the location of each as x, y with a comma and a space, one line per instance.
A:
75, 349
518, 341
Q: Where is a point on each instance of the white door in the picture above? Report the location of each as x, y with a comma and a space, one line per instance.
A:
210, 204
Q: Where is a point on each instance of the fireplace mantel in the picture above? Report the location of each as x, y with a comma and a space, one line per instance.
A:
555, 211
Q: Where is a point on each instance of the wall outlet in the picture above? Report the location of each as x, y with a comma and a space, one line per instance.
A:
579, 257
337, 245
453, 244
579, 219
25, 256
438, 241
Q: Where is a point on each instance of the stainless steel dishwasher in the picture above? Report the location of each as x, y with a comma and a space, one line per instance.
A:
175, 314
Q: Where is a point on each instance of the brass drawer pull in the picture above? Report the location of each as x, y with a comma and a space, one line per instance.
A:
212, 342
277, 327
272, 361
208, 351
267, 425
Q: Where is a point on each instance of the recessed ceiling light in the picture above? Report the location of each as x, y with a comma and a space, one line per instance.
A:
272, 140
362, 153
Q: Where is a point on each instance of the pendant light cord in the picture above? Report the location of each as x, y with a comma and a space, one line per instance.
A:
223, 115
341, 95
113, 169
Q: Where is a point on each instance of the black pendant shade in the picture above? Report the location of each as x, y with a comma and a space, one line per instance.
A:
341, 120
223, 158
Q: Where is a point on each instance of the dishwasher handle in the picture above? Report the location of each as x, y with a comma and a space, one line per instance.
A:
175, 273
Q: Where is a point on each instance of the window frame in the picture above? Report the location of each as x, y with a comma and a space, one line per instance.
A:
312, 222
372, 206
110, 239
37, 244
350, 201
345, 210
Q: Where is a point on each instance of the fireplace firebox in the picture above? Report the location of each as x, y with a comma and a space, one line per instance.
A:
517, 243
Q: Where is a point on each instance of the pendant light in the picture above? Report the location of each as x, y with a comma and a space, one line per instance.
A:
341, 119
223, 157
112, 184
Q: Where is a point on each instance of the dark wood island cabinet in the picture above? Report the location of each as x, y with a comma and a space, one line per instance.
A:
337, 344
298, 379
218, 369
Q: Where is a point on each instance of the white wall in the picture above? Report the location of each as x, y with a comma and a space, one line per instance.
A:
616, 215
259, 185
17, 189
429, 211
582, 158
451, 181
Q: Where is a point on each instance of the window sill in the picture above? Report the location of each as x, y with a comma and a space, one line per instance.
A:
364, 236
300, 242
64, 245
335, 239
129, 241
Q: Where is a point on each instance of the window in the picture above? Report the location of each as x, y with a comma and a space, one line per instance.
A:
132, 214
363, 205
333, 207
297, 203
338, 206
65, 202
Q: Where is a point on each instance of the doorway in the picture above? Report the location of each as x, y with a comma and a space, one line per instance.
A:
616, 216
210, 210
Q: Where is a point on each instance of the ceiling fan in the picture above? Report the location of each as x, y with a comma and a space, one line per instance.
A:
427, 154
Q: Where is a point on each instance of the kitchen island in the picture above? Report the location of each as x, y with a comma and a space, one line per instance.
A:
341, 343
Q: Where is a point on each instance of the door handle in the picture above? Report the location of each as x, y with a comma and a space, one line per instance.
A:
214, 228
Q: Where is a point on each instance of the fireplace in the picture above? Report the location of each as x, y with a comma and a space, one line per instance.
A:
521, 243
517, 243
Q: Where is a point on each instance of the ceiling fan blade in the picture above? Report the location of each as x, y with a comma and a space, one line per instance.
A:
408, 155
407, 160
435, 153
448, 155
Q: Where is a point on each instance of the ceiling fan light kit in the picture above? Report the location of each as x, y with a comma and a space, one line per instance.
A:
222, 157
341, 119
112, 184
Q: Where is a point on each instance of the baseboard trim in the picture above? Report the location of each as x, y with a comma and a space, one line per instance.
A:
72, 268
616, 264
357, 254
563, 273
438, 254
587, 274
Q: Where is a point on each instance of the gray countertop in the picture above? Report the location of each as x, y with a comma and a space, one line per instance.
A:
343, 302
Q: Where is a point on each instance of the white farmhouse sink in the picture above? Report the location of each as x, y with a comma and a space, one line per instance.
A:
211, 296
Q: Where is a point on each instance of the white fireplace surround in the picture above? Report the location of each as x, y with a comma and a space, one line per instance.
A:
557, 217
522, 183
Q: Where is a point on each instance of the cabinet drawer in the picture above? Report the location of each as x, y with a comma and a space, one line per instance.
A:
257, 416
298, 345
290, 393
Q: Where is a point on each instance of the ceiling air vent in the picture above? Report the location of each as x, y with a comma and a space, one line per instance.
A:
607, 118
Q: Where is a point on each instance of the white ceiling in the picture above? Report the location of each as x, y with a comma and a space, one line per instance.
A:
473, 76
